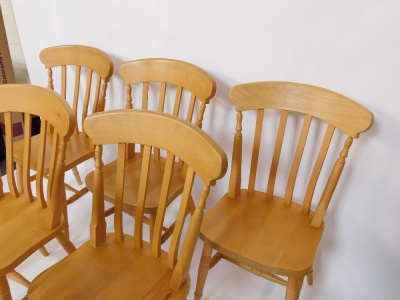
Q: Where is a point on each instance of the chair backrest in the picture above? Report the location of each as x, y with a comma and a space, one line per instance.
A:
180, 139
52, 109
320, 111
85, 89
183, 83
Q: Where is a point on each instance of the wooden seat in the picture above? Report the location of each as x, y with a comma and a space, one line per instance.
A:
271, 228
170, 86
27, 223
81, 75
116, 265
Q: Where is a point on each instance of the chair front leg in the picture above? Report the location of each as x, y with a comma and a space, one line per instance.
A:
293, 288
5, 293
204, 267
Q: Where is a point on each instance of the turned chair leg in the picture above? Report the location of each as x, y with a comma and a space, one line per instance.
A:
65, 243
204, 267
5, 293
293, 288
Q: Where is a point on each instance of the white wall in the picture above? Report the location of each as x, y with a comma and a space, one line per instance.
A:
350, 46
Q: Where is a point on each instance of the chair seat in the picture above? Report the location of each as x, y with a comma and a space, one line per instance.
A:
263, 233
79, 149
114, 270
29, 232
132, 179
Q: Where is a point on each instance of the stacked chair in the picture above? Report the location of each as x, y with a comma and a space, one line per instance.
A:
28, 222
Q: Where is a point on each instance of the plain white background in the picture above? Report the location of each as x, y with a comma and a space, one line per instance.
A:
351, 46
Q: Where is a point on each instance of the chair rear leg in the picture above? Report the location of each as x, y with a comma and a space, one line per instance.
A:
18, 278
65, 215
44, 251
293, 288
5, 293
310, 278
204, 267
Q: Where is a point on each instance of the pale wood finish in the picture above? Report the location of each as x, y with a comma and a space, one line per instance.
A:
268, 234
27, 222
83, 73
121, 266
160, 85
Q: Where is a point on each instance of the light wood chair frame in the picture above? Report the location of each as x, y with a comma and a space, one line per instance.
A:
28, 222
140, 75
339, 112
81, 60
138, 262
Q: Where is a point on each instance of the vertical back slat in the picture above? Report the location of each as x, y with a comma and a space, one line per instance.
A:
178, 100
277, 153
9, 154
119, 192
236, 169
256, 151
182, 213
161, 104
190, 111
145, 95
144, 174
64, 82
297, 159
54, 211
27, 158
317, 169
53, 161
161, 98
75, 98
162, 207
98, 223
87, 95
40, 164
97, 93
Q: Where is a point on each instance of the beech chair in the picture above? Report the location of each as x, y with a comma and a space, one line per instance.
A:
166, 85
116, 265
273, 230
82, 74
27, 223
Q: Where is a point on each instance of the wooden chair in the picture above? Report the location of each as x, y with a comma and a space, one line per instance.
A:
27, 223
120, 266
82, 75
273, 230
171, 86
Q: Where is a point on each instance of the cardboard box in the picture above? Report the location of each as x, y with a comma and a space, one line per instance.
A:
6, 77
